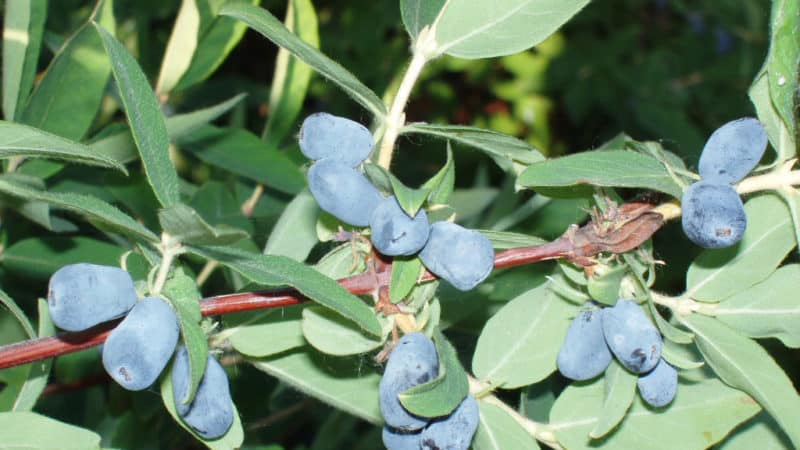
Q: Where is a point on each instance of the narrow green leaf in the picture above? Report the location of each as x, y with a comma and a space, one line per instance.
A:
743, 364
295, 233
702, 414
620, 390
405, 273
411, 200
265, 23
273, 270
232, 439
56, 106
442, 184
265, 333
180, 47
18, 314
145, 118
440, 396
497, 430
718, 274
604, 287
291, 77
506, 150
22, 140
761, 432
470, 29
27, 430
418, 14
613, 168
243, 153
503, 240
782, 61
782, 142
332, 334
185, 224
181, 291
181, 125
767, 309
23, 26
40, 370
681, 356
519, 344
344, 383
92, 208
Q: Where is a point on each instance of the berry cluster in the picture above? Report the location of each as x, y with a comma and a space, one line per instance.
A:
338, 146
624, 331
414, 361
713, 214
81, 296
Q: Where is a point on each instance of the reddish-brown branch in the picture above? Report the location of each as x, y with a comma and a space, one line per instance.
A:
578, 244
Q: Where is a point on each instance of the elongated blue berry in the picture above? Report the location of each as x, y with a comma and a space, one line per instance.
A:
459, 256
210, 414
455, 431
630, 335
343, 191
140, 347
83, 295
394, 232
584, 353
713, 215
325, 136
413, 361
732, 151
658, 387
396, 440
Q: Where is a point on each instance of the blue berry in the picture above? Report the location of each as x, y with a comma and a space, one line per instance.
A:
395, 440
459, 256
584, 353
83, 295
630, 335
455, 431
713, 215
343, 191
325, 136
210, 414
394, 232
413, 361
732, 151
140, 347
659, 386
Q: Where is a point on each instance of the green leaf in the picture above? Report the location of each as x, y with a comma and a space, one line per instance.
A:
56, 106
782, 62
620, 390
767, 309
331, 333
483, 29
40, 370
743, 364
613, 168
180, 47
273, 270
18, 314
418, 14
502, 240
702, 414
265, 333
410, 200
232, 439
442, 184
21, 140
216, 41
92, 208
504, 149
291, 77
295, 233
31, 431
443, 394
519, 344
761, 432
145, 119
345, 260
783, 144
243, 153
405, 273
604, 287
182, 125
497, 430
681, 356
23, 26
185, 224
344, 383
265, 23
718, 274
181, 291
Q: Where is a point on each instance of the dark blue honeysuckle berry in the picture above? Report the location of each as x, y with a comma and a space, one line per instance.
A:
732, 151
659, 386
210, 414
631, 336
397, 440
462, 257
343, 192
584, 353
413, 361
395, 233
325, 136
454, 432
713, 215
